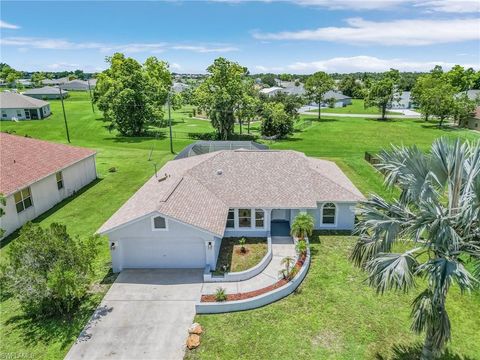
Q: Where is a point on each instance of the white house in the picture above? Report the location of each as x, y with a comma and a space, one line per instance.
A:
46, 92
55, 81
336, 98
14, 106
403, 102
36, 175
179, 217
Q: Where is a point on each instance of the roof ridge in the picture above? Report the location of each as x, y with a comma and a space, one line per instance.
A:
170, 191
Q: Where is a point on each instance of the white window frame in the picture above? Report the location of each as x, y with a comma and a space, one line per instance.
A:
335, 219
234, 219
152, 220
252, 216
23, 199
255, 218
59, 181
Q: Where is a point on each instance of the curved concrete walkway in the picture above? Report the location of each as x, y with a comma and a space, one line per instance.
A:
282, 246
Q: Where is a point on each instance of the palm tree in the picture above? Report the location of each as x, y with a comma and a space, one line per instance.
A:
302, 226
436, 219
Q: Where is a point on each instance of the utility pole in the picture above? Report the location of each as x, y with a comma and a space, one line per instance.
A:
64, 115
170, 123
90, 92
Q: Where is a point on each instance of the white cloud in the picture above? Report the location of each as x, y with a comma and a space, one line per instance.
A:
62, 66
451, 6
204, 49
62, 44
352, 4
359, 64
414, 32
5, 25
175, 66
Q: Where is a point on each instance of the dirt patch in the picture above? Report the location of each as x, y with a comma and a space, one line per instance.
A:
329, 340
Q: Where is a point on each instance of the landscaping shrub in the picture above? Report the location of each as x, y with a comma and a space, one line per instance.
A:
302, 225
276, 122
220, 294
48, 271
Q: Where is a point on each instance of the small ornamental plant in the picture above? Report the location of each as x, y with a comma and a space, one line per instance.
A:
288, 262
301, 247
242, 242
302, 226
220, 294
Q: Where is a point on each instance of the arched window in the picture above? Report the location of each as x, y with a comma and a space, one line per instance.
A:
159, 223
329, 211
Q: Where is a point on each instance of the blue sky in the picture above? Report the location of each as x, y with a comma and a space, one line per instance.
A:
288, 36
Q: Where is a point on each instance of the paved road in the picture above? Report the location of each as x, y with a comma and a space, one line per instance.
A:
144, 315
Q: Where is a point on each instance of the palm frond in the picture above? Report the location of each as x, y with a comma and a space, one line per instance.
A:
392, 271
441, 272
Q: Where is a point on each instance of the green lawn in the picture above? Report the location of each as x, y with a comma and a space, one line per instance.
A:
357, 107
333, 303
235, 260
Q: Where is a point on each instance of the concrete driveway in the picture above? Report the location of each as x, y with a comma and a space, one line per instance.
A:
144, 315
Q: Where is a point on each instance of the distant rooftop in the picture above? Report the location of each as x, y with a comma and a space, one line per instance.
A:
204, 147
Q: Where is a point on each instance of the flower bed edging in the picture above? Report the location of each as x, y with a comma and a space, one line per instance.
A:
242, 275
272, 295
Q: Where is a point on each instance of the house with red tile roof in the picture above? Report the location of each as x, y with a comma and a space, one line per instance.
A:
37, 174
180, 216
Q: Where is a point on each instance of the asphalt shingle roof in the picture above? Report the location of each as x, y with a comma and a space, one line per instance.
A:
46, 90
24, 161
199, 190
12, 100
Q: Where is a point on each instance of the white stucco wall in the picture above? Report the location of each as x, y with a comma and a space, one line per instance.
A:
45, 194
252, 231
137, 245
19, 114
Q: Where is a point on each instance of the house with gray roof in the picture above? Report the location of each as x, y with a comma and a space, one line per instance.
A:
271, 91
46, 92
14, 106
334, 99
180, 216
55, 81
403, 102
79, 85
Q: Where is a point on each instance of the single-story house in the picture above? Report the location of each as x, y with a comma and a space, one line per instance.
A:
295, 90
14, 106
79, 85
24, 82
55, 81
38, 174
403, 102
271, 91
46, 92
473, 94
180, 216
339, 100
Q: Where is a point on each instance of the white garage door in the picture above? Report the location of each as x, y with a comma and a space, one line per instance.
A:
163, 253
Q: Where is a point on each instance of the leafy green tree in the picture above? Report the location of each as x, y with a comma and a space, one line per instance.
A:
37, 78
436, 219
316, 86
292, 103
460, 78
221, 93
48, 271
9, 74
176, 101
463, 108
349, 86
268, 79
382, 93
302, 225
248, 105
276, 122
132, 95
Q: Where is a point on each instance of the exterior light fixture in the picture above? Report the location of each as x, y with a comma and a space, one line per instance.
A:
112, 246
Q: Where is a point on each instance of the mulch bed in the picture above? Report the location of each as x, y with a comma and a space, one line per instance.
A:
251, 294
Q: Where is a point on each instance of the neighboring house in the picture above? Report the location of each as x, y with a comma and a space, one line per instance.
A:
338, 99
295, 90
46, 92
38, 174
79, 85
204, 147
271, 91
14, 106
178, 87
473, 94
474, 122
55, 81
404, 101
179, 217
24, 82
